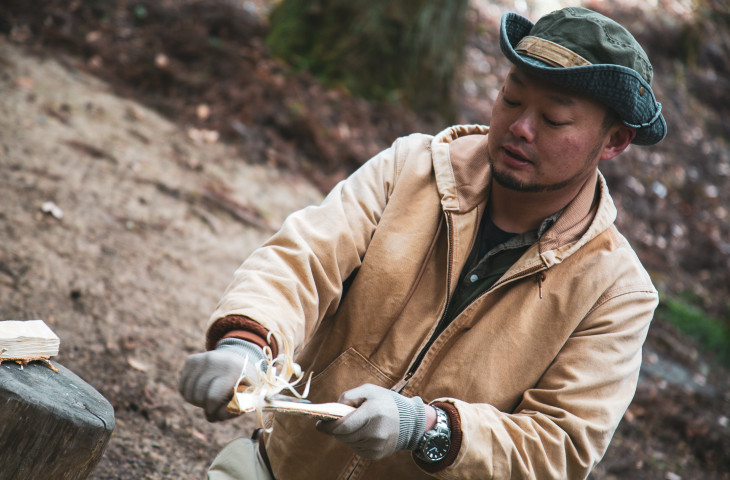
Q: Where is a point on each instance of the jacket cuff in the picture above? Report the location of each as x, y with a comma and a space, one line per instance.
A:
456, 436
238, 326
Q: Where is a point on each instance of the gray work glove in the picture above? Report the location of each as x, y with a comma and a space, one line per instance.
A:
383, 423
207, 379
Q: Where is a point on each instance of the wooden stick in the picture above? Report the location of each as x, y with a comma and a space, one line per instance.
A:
246, 403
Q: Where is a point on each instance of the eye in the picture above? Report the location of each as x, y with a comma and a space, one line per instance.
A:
510, 103
553, 123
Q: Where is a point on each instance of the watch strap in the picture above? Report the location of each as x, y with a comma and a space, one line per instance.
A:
442, 428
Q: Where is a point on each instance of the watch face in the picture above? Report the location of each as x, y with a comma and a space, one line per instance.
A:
437, 447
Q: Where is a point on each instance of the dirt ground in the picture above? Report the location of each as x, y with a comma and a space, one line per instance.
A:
153, 226
161, 186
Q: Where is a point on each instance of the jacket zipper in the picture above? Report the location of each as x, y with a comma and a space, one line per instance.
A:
419, 358
524, 273
421, 355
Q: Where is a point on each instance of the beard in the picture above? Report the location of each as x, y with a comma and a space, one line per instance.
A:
508, 181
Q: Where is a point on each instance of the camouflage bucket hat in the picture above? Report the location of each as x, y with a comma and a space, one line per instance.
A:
590, 54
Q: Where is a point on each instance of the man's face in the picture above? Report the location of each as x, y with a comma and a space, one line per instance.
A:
543, 138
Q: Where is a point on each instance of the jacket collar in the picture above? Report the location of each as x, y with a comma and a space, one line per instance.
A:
463, 178
589, 214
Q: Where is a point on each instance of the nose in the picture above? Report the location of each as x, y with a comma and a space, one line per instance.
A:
523, 127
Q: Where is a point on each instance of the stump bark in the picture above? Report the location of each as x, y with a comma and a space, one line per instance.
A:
53, 426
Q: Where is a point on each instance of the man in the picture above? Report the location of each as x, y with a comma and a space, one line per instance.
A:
467, 292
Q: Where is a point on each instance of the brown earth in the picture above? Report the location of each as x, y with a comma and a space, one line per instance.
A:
172, 145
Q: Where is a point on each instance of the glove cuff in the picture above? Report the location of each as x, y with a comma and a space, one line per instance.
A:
412, 421
245, 349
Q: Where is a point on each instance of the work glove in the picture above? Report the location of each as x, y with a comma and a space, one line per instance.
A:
384, 422
207, 379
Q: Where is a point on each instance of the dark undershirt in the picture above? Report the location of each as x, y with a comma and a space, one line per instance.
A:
492, 235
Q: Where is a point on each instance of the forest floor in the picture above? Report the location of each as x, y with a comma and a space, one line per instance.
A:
146, 147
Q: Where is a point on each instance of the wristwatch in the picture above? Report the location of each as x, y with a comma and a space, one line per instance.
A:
435, 443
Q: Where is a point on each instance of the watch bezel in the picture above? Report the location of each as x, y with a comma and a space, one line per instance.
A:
436, 446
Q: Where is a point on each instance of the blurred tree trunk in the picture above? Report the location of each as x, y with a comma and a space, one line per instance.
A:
380, 49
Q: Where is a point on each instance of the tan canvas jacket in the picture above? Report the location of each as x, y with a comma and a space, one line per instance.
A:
535, 374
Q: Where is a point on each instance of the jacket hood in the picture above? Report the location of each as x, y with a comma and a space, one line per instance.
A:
462, 185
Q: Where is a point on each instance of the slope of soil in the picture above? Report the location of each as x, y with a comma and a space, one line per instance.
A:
151, 230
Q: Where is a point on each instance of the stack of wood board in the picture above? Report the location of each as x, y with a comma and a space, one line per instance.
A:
26, 340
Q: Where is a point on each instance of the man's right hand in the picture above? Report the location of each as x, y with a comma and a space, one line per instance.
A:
207, 379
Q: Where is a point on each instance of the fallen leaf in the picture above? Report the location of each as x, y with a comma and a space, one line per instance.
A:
52, 209
93, 36
203, 111
202, 135
137, 364
161, 60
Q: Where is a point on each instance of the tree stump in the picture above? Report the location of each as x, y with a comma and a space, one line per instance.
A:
53, 426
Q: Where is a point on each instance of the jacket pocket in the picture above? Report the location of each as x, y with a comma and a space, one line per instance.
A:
349, 370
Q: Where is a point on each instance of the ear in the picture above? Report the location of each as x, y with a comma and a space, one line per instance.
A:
619, 138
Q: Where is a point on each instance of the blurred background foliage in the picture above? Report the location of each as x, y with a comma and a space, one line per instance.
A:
378, 49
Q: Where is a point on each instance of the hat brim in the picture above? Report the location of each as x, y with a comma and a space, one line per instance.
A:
618, 87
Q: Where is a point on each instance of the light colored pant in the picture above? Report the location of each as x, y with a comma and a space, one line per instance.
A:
239, 460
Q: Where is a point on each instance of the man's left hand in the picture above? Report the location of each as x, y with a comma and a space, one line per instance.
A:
384, 422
